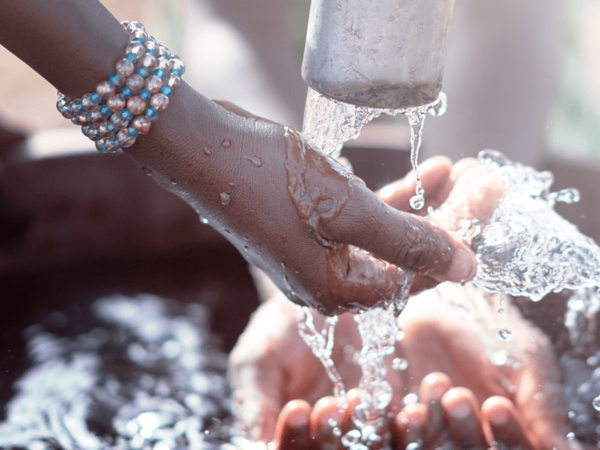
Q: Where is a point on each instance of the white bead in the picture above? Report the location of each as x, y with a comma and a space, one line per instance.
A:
124, 67
124, 139
136, 105
105, 89
135, 48
135, 82
159, 101
142, 124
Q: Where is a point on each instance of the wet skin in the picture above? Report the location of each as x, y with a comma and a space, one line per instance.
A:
462, 397
234, 169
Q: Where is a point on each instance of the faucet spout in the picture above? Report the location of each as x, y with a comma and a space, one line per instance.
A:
382, 54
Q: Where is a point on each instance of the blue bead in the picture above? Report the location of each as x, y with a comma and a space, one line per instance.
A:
131, 57
159, 73
151, 112
151, 52
145, 94
138, 40
132, 132
175, 72
114, 79
94, 97
126, 114
111, 127
105, 111
102, 149
166, 90
143, 72
79, 106
125, 93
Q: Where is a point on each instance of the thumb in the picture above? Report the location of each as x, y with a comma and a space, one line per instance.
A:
405, 240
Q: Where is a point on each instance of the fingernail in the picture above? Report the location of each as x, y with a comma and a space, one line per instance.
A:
463, 266
498, 416
460, 409
298, 419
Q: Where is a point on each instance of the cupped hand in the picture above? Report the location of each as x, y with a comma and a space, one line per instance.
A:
291, 211
271, 365
473, 388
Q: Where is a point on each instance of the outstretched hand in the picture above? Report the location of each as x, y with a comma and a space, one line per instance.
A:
293, 212
473, 387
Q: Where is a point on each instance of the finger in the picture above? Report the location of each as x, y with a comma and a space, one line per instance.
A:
324, 417
435, 175
422, 283
503, 422
410, 424
402, 239
460, 166
475, 195
292, 430
432, 389
462, 414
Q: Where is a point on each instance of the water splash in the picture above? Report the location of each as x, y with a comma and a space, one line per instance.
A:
321, 344
144, 378
527, 249
329, 123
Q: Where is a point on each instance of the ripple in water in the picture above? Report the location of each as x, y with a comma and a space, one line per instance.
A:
146, 378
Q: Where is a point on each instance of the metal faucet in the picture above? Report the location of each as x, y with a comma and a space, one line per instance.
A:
377, 53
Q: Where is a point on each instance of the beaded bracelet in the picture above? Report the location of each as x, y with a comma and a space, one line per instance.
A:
145, 79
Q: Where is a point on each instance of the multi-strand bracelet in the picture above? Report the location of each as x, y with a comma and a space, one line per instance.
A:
124, 106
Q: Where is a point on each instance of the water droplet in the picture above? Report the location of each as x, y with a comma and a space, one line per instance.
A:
430, 210
499, 358
226, 143
501, 305
570, 436
332, 422
400, 335
246, 248
147, 171
173, 181
440, 106
568, 196
416, 119
208, 151
204, 220
399, 364
413, 446
231, 185
504, 333
571, 414
596, 403
410, 399
417, 202
350, 438
255, 160
227, 231
337, 432
170, 140
225, 199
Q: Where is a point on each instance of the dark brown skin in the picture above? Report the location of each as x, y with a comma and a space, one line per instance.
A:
231, 167
463, 397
